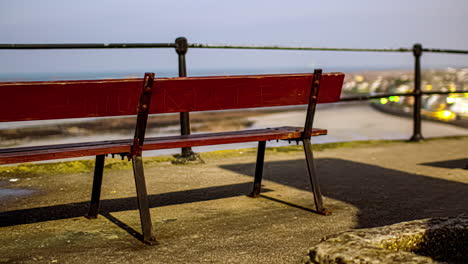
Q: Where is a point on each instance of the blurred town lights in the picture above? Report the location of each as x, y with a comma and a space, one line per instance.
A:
450, 100
395, 99
383, 100
445, 115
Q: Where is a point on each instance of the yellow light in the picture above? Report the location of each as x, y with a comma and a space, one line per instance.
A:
445, 115
383, 100
359, 78
428, 87
395, 99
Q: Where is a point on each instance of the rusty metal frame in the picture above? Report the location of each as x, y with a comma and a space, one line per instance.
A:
311, 168
135, 155
258, 170
305, 138
137, 161
96, 191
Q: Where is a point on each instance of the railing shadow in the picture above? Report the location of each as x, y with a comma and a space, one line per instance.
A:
383, 196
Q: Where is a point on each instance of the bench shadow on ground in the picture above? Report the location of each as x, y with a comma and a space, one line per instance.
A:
382, 196
71, 210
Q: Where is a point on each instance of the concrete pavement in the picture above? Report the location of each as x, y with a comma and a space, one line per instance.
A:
201, 214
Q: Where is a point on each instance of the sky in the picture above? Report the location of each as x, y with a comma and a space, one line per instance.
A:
336, 23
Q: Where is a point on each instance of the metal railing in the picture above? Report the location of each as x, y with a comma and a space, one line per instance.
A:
181, 47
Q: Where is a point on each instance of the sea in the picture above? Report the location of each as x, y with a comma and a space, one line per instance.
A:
162, 73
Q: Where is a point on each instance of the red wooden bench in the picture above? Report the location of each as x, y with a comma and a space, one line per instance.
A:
21, 101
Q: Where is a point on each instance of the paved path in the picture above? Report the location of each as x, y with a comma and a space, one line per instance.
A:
201, 213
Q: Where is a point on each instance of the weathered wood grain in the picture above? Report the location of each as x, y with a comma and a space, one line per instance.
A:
20, 101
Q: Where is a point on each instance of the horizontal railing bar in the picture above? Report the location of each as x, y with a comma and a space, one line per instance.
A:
172, 45
207, 46
445, 51
88, 46
444, 92
213, 46
368, 97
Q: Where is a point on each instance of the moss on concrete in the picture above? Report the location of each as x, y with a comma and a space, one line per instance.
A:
69, 167
404, 243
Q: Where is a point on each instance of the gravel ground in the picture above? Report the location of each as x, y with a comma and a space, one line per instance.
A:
201, 214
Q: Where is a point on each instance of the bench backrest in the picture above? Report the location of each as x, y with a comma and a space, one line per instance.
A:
20, 101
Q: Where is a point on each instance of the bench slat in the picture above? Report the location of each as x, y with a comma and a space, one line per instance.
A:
28, 154
22, 101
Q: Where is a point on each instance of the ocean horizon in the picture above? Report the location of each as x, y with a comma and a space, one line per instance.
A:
132, 73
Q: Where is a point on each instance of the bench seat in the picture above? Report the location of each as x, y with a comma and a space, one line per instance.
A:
60, 151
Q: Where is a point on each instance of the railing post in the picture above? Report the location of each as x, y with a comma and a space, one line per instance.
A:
181, 47
417, 136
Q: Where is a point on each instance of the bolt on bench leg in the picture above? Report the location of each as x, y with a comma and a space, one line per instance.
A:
142, 198
258, 170
97, 183
313, 177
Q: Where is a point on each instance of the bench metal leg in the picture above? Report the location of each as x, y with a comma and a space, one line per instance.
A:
142, 198
97, 183
313, 177
258, 170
